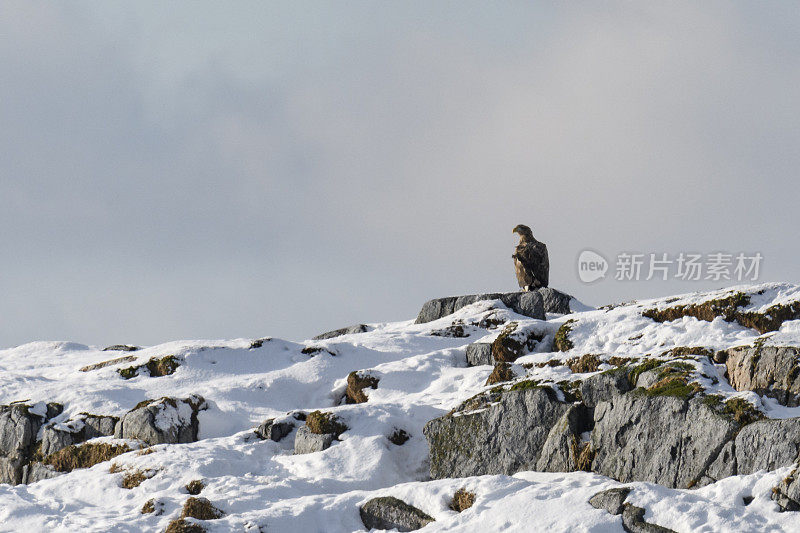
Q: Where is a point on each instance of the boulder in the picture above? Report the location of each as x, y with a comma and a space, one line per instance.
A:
479, 353
308, 442
358, 328
274, 430
162, 421
633, 521
79, 429
494, 433
667, 440
530, 304
19, 425
391, 513
611, 500
772, 371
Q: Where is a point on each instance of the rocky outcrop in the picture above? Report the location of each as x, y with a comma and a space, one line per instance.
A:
729, 308
162, 421
392, 513
110, 362
531, 304
155, 367
307, 441
613, 501
494, 433
121, 348
19, 425
772, 371
79, 429
662, 439
665, 431
479, 353
274, 430
358, 328
318, 434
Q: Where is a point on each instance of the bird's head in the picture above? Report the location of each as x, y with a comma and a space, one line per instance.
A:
523, 231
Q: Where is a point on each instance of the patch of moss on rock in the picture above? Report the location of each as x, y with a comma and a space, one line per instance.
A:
586, 363
184, 526
619, 361
737, 409
728, 309
156, 367
571, 390
673, 380
742, 411
462, 500
356, 383
528, 384
323, 423
84, 456
682, 351
640, 369
561, 342
502, 372
201, 509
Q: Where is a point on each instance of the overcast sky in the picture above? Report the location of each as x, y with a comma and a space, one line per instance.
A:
218, 170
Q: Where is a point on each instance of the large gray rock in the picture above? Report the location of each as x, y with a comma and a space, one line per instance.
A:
162, 421
18, 429
767, 370
525, 303
391, 513
349, 330
762, 445
274, 430
495, 433
79, 429
307, 442
479, 353
633, 521
661, 439
611, 500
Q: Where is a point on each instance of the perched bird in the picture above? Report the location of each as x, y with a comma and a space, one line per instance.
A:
530, 260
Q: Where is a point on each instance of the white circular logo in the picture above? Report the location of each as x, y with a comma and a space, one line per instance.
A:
591, 266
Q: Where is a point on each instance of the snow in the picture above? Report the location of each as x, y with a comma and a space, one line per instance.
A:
261, 484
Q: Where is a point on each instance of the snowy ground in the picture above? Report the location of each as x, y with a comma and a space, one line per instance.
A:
262, 485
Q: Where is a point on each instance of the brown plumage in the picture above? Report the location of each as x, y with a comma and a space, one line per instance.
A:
531, 260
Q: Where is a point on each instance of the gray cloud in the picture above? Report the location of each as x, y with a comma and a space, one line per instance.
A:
184, 171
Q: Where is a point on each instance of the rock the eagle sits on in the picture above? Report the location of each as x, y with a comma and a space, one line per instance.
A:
531, 260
